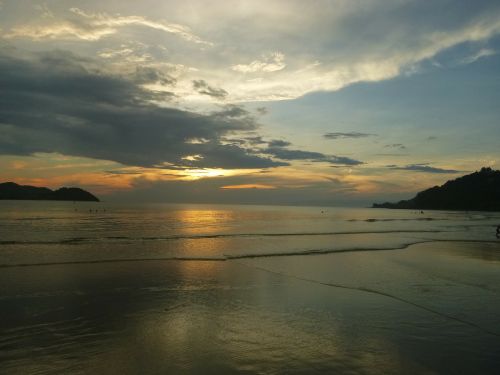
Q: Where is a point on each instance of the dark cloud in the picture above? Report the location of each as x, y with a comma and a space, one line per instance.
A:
342, 160
424, 167
278, 143
234, 141
347, 135
278, 148
50, 102
118, 172
233, 111
286, 154
146, 74
255, 140
203, 88
262, 111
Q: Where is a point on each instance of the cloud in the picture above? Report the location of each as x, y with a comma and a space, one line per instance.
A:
269, 63
323, 46
50, 102
94, 26
203, 88
422, 168
278, 143
134, 53
347, 135
255, 140
483, 52
286, 154
44, 10
396, 145
248, 186
149, 75
59, 30
333, 54
262, 111
278, 148
252, 188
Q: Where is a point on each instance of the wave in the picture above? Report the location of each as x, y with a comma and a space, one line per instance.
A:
400, 219
58, 242
323, 251
115, 260
78, 240
229, 257
467, 218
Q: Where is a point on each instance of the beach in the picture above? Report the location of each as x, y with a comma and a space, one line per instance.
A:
428, 303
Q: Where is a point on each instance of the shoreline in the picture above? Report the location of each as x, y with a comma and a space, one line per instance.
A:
252, 256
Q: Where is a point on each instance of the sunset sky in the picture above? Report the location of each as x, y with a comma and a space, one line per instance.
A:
287, 102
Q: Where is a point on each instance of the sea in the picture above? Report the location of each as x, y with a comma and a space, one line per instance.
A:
175, 288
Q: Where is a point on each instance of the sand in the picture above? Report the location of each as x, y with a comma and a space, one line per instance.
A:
431, 308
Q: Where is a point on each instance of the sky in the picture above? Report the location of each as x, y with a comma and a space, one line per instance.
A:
339, 102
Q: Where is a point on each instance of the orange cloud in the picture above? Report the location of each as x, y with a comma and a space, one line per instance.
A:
249, 186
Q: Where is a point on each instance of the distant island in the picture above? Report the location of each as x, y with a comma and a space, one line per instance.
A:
478, 191
11, 190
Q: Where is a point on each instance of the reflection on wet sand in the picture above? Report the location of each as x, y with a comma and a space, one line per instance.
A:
195, 316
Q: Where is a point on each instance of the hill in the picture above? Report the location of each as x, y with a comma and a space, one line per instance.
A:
478, 191
11, 190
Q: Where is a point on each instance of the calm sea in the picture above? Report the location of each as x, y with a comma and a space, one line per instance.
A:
58, 232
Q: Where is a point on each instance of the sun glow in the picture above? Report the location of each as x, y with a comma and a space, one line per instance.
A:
196, 174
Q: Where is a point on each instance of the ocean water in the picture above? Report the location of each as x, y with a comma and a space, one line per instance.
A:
149, 289
58, 232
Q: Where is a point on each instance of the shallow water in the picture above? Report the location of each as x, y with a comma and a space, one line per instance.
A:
333, 300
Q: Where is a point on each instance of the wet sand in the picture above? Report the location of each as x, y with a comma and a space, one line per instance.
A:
430, 308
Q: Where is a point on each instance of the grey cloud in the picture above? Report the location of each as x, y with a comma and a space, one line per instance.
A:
347, 135
278, 148
255, 140
50, 102
343, 160
233, 111
396, 145
286, 154
278, 143
146, 74
422, 168
203, 88
262, 111
234, 141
